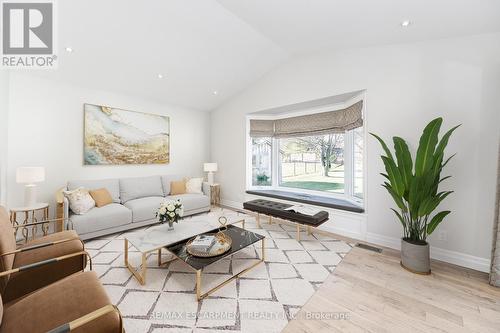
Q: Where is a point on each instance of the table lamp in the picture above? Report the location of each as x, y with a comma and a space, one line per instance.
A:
210, 168
30, 176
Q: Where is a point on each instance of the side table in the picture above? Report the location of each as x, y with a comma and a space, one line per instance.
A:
30, 216
215, 194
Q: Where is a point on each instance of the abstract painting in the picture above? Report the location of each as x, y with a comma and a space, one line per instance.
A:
116, 136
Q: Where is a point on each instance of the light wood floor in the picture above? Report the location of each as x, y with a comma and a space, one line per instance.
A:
378, 295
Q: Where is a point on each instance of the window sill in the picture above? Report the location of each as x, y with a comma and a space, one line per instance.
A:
315, 200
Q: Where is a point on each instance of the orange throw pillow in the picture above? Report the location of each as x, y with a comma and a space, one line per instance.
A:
178, 187
101, 197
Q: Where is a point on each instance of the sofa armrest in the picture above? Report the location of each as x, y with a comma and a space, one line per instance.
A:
66, 208
206, 189
62, 208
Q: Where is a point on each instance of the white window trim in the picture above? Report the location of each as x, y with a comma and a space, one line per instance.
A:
348, 194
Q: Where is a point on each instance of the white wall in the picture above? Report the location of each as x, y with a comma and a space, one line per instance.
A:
4, 106
46, 128
406, 86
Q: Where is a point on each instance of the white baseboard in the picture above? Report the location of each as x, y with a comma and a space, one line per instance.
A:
354, 234
390, 242
452, 257
232, 204
449, 256
461, 259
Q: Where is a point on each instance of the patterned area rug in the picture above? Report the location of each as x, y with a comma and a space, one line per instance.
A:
262, 300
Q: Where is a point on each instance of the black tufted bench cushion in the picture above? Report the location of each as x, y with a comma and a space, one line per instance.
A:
277, 209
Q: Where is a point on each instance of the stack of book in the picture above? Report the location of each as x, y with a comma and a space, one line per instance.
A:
203, 243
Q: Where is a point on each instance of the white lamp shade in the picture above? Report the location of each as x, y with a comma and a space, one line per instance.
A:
30, 175
210, 167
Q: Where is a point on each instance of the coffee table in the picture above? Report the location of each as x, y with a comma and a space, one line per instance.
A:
158, 237
241, 239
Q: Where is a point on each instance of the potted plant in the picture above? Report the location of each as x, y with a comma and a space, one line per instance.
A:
262, 179
170, 211
414, 189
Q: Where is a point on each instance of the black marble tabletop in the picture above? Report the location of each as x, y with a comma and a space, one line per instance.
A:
241, 238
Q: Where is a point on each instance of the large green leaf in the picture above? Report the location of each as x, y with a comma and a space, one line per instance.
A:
397, 198
447, 160
425, 152
438, 218
444, 178
431, 203
405, 163
394, 175
444, 140
400, 217
414, 195
384, 146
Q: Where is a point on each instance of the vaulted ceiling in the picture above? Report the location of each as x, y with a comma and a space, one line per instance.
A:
208, 50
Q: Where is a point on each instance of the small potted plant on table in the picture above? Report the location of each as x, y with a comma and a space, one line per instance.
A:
170, 211
414, 189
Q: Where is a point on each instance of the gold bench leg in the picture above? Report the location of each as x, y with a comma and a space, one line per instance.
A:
270, 219
258, 220
298, 232
309, 230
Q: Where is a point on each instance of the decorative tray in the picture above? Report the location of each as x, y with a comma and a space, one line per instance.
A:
221, 246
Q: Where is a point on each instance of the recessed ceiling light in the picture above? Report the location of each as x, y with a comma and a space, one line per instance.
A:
406, 23
160, 76
69, 49
215, 92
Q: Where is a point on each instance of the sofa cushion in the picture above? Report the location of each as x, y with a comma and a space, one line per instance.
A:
194, 185
178, 187
144, 209
112, 185
166, 180
80, 200
192, 201
140, 187
109, 216
101, 197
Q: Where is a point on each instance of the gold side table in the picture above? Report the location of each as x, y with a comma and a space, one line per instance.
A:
215, 194
29, 214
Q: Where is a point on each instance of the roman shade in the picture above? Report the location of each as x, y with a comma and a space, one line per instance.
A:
338, 121
261, 128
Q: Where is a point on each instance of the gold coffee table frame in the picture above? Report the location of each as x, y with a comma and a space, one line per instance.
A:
140, 272
200, 296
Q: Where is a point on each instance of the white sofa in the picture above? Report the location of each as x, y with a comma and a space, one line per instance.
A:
135, 201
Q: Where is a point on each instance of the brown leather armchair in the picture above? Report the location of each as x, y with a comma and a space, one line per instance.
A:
77, 303
26, 276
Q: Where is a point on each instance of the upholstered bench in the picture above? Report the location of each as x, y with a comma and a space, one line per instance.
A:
279, 210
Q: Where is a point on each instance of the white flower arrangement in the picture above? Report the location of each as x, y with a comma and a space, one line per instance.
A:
170, 211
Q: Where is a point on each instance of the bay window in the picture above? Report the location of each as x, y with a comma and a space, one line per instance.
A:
300, 155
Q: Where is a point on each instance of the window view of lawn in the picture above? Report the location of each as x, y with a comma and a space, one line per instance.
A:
317, 181
313, 163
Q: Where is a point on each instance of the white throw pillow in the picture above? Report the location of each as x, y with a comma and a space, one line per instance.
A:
193, 185
80, 200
